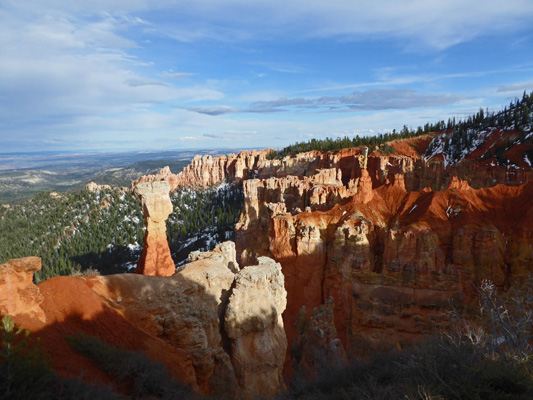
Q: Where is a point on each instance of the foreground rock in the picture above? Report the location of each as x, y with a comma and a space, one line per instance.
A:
254, 325
218, 331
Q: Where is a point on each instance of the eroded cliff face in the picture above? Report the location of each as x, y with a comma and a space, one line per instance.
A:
215, 327
393, 238
406, 157
316, 347
391, 259
207, 170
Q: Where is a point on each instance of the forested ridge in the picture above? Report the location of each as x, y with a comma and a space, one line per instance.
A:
517, 116
104, 231
462, 137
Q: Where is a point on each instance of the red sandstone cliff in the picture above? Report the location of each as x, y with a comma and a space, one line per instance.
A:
391, 259
391, 237
207, 170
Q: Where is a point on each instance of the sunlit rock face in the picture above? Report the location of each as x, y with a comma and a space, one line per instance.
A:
206, 171
155, 258
18, 294
393, 238
254, 326
215, 327
393, 260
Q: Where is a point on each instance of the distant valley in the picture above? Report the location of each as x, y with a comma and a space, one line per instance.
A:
23, 175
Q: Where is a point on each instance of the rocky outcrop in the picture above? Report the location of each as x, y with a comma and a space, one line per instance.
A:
392, 237
254, 325
391, 259
18, 294
94, 187
316, 348
205, 171
155, 258
215, 327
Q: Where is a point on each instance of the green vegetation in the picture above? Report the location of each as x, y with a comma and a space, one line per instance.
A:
329, 144
144, 378
25, 371
24, 367
74, 231
469, 133
203, 218
518, 116
104, 231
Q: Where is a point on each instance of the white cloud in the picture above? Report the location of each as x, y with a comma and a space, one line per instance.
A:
435, 23
377, 99
176, 75
516, 87
59, 70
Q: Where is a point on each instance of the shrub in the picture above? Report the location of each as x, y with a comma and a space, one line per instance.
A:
144, 377
24, 369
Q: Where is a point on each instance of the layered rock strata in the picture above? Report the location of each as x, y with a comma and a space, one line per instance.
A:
391, 259
215, 327
205, 171
405, 157
155, 257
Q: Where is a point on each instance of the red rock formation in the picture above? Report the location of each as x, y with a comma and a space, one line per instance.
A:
207, 324
18, 294
155, 258
207, 170
393, 259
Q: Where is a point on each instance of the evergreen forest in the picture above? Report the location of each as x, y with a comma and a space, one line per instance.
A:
517, 116
104, 231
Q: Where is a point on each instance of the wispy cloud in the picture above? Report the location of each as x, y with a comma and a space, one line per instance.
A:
60, 70
212, 110
434, 23
281, 67
382, 99
516, 87
176, 75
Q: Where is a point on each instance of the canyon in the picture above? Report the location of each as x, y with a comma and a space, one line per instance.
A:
395, 239
337, 255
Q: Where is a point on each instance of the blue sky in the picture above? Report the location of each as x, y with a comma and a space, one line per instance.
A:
139, 74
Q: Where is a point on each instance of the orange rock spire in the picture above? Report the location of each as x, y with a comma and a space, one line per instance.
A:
155, 258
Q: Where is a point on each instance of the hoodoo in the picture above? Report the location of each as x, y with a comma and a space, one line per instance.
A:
155, 258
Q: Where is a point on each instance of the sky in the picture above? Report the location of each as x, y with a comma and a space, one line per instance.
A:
110, 75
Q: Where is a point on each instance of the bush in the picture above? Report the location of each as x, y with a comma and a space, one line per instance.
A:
24, 369
144, 377
490, 359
